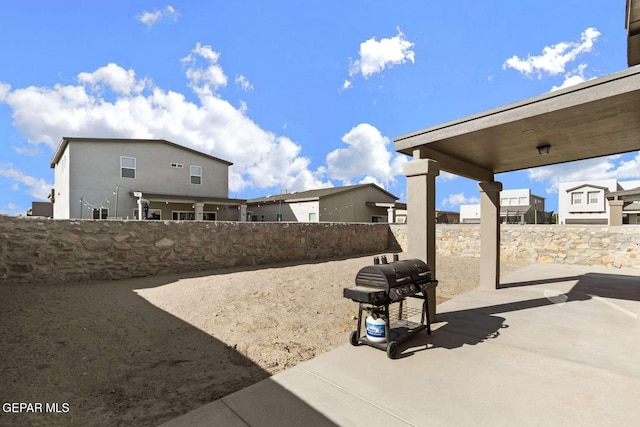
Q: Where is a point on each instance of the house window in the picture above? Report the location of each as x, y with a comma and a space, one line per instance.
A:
183, 216
100, 213
196, 174
592, 197
522, 201
513, 201
209, 216
504, 201
153, 214
254, 218
279, 217
377, 218
576, 198
312, 217
127, 167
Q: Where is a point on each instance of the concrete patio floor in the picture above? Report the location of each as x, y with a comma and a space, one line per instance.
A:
557, 345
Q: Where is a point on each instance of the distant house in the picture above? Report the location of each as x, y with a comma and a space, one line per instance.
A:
354, 203
517, 206
99, 178
589, 202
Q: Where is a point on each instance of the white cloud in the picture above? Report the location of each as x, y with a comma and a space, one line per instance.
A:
453, 200
36, 187
376, 56
573, 78
203, 71
554, 58
115, 77
244, 84
366, 158
584, 170
447, 176
138, 109
135, 108
151, 18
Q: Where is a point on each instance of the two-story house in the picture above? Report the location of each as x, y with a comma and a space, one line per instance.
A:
517, 206
589, 202
102, 178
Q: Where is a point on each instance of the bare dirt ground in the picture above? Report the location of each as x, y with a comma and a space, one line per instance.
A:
143, 351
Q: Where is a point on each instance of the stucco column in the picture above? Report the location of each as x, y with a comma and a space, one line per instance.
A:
199, 210
243, 213
615, 212
140, 209
390, 216
490, 234
421, 215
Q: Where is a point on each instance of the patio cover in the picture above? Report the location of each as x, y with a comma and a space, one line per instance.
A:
596, 118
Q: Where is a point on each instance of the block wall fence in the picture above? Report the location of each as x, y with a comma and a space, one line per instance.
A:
61, 251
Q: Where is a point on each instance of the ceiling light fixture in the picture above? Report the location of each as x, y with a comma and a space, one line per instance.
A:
543, 150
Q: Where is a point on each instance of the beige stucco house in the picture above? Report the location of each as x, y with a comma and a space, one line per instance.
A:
353, 203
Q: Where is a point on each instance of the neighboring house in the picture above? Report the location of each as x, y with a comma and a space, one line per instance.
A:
103, 178
589, 202
354, 203
517, 206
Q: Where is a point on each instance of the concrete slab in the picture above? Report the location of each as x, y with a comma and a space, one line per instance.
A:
557, 346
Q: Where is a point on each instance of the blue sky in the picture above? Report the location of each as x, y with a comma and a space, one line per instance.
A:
298, 95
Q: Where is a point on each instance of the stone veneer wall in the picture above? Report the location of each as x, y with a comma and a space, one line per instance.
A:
560, 244
58, 251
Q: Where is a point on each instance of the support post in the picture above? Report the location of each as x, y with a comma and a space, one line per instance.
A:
421, 216
199, 210
490, 234
615, 212
243, 213
390, 216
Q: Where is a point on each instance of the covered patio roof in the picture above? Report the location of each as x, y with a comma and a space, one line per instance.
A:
596, 118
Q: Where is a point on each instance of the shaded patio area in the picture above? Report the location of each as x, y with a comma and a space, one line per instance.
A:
557, 345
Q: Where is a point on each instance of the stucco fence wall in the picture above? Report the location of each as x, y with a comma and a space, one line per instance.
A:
59, 251
546, 244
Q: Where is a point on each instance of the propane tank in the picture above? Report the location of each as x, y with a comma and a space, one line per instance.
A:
375, 329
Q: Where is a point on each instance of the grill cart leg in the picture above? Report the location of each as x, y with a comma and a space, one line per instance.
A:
354, 339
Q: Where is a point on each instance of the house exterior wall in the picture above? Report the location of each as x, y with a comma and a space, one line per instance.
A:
518, 199
470, 214
351, 206
291, 212
585, 212
94, 176
62, 205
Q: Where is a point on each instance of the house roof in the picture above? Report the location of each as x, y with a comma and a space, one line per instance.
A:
66, 140
311, 195
180, 198
599, 187
626, 195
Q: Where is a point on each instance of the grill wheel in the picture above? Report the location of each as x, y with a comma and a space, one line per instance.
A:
392, 350
354, 339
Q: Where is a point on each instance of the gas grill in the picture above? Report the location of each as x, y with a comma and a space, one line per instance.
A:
380, 291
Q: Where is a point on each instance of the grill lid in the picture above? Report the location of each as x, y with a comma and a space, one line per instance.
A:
395, 274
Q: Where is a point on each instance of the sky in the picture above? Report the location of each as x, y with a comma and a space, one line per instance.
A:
297, 94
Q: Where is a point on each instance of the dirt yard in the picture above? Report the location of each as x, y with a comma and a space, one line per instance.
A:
143, 351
